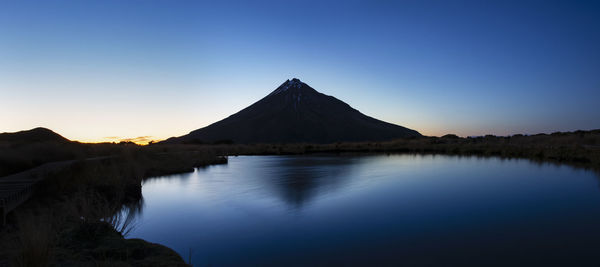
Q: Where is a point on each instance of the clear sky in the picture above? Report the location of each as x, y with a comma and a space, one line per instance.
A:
93, 71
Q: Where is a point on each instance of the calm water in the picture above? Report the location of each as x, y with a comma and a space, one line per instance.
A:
376, 210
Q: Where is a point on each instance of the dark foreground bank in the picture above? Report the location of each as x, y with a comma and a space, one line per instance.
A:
80, 215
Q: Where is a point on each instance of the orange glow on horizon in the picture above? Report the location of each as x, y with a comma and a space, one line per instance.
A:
141, 140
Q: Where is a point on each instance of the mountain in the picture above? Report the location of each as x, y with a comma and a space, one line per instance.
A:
32, 136
297, 113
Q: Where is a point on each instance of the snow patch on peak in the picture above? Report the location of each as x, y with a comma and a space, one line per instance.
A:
294, 83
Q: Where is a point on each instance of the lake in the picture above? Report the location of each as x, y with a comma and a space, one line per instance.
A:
376, 210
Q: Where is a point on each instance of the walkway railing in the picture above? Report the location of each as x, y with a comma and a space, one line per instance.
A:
17, 188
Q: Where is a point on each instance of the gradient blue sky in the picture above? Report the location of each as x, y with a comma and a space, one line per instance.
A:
92, 70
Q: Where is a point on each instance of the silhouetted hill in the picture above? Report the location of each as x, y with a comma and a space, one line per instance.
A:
32, 136
23, 150
297, 113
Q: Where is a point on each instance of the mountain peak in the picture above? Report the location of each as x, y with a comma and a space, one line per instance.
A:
295, 83
288, 84
297, 113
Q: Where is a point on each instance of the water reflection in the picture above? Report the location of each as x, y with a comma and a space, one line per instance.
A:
297, 180
126, 219
375, 210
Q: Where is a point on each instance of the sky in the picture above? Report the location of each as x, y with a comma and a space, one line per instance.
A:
109, 70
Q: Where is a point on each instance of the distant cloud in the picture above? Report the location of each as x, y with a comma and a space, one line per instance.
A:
142, 140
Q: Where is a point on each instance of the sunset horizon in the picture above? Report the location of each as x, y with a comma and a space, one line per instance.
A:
299, 133
124, 69
146, 139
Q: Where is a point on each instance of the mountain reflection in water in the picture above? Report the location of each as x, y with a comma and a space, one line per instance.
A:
296, 180
375, 210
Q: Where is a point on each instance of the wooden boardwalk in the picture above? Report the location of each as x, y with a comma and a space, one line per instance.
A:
15, 189
12, 194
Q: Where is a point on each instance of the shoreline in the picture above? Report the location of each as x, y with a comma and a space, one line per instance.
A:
326, 154
108, 184
80, 208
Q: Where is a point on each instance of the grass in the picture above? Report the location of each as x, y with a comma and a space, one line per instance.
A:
580, 148
81, 214
88, 208
36, 239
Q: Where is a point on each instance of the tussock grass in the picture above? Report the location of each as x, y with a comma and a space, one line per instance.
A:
35, 240
580, 148
80, 214
91, 205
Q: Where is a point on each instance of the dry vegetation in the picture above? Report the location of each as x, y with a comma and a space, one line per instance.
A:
581, 148
80, 215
